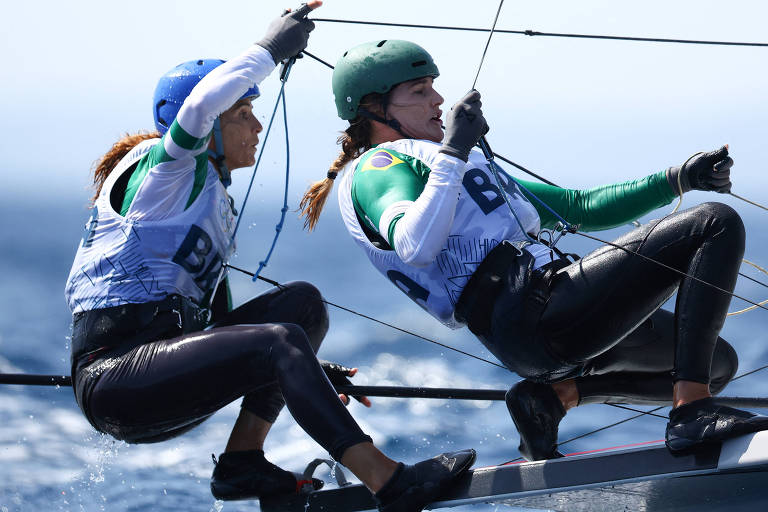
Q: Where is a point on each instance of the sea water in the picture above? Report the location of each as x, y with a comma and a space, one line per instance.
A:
51, 458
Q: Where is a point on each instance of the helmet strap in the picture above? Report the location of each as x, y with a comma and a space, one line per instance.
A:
392, 123
218, 155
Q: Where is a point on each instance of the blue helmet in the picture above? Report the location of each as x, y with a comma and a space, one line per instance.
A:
174, 87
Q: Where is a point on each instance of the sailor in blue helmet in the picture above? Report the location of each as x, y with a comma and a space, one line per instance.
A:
149, 361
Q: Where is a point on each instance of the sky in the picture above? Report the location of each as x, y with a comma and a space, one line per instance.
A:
78, 75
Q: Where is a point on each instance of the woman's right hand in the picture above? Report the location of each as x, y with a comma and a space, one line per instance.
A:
703, 171
464, 126
337, 374
288, 35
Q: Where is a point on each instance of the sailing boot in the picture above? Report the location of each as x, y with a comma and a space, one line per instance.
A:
536, 411
705, 422
413, 487
247, 474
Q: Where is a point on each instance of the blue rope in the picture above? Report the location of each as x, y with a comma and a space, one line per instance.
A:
495, 171
567, 226
284, 209
258, 160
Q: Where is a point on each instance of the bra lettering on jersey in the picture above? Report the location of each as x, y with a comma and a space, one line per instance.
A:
411, 288
192, 256
484, 192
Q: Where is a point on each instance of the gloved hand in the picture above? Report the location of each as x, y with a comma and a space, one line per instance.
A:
338, 374
703, 171
288, 35
464, 125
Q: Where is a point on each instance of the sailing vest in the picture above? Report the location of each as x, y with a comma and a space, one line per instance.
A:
121, 260
482, 220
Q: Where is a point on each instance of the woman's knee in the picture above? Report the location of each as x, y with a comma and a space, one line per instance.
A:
289, 340
314, 317
725, 219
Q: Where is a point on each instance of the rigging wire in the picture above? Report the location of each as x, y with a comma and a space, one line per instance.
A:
545, 34
367, 317
680, 272
640, 414
318, 59
749, 372
645, 413
487, 43
595, 431
758, 267
753, 305
748, 201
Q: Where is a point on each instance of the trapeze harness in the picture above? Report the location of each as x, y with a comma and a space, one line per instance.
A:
148, 363
544, 317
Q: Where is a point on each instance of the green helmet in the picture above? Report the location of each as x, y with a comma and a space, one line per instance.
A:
377, 67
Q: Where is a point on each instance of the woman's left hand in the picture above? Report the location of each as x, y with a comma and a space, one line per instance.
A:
338, 374
703, 171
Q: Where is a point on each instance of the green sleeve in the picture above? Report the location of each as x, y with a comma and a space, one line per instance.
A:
382, 178
601, 207
158, 155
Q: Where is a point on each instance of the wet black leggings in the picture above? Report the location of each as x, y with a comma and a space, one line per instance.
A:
594, 312
163, 388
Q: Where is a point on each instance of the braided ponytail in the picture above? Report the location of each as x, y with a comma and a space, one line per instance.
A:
354, 141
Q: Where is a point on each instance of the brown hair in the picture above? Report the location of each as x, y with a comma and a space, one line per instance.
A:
354, 141
119, 149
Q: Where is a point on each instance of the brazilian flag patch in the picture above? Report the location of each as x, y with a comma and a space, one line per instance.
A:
381, 160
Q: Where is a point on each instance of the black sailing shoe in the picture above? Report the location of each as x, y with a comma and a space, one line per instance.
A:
536, 411
705, 422
247, 474
412, 488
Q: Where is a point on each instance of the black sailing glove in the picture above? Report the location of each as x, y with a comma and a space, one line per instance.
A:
338, 375
464, 125
703, 171
288, 35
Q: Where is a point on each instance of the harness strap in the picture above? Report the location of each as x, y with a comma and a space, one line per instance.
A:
475, 304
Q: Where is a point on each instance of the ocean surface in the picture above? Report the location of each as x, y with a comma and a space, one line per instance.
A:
51, 459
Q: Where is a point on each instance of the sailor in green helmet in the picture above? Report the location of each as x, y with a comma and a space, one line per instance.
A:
424, 206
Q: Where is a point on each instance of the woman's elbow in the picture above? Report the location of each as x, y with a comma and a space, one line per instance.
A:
416, 258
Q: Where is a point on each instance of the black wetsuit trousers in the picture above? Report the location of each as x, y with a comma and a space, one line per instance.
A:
597, 319
263, 351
